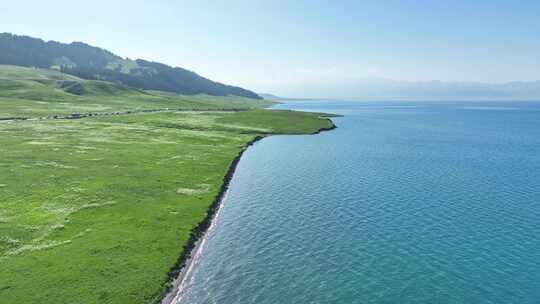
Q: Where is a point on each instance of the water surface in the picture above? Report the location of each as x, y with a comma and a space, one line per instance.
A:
403, 203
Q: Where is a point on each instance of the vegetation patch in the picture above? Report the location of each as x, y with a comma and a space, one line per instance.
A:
199, 189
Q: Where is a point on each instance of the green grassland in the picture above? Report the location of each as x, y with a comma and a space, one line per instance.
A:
29, 92
97, 210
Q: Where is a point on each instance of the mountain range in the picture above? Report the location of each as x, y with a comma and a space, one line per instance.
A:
377, 89
93, 63
384, 89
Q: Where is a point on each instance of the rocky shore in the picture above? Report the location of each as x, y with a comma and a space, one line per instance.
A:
177, 274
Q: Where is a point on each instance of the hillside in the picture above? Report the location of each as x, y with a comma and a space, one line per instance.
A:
31, 92
93, 63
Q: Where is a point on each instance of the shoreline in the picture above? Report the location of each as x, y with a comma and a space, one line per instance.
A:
178, 273
185, 261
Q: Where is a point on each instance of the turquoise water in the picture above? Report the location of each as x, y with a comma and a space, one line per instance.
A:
403, 203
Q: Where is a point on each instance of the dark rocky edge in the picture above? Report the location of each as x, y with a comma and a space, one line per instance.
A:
332, 127
170, 288
198, 232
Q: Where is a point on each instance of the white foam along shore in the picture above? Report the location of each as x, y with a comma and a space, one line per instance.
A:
198, 238
180, 275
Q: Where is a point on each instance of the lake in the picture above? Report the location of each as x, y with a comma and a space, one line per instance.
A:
412, 202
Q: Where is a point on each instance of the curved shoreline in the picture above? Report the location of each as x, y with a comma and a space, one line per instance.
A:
184, 264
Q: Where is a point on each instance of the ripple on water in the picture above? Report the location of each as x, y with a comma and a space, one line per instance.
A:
421, 203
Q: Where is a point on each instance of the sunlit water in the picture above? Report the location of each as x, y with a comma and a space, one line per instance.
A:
403, 203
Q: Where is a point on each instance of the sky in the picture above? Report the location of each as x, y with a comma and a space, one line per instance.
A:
290, 48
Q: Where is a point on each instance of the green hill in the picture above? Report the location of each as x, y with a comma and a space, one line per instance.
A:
33, 92
92, 63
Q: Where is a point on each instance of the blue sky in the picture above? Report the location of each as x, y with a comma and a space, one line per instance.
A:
290, 47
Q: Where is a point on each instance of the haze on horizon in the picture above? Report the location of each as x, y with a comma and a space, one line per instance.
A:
306, 48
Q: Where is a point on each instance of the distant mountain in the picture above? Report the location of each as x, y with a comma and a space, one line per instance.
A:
267, 96
440, 90
94, 63
387, 89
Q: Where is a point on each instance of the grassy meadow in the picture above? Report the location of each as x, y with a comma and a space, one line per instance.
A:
29, 92
97, 210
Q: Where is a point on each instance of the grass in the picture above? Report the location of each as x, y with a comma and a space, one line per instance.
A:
29, 92
97, 210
